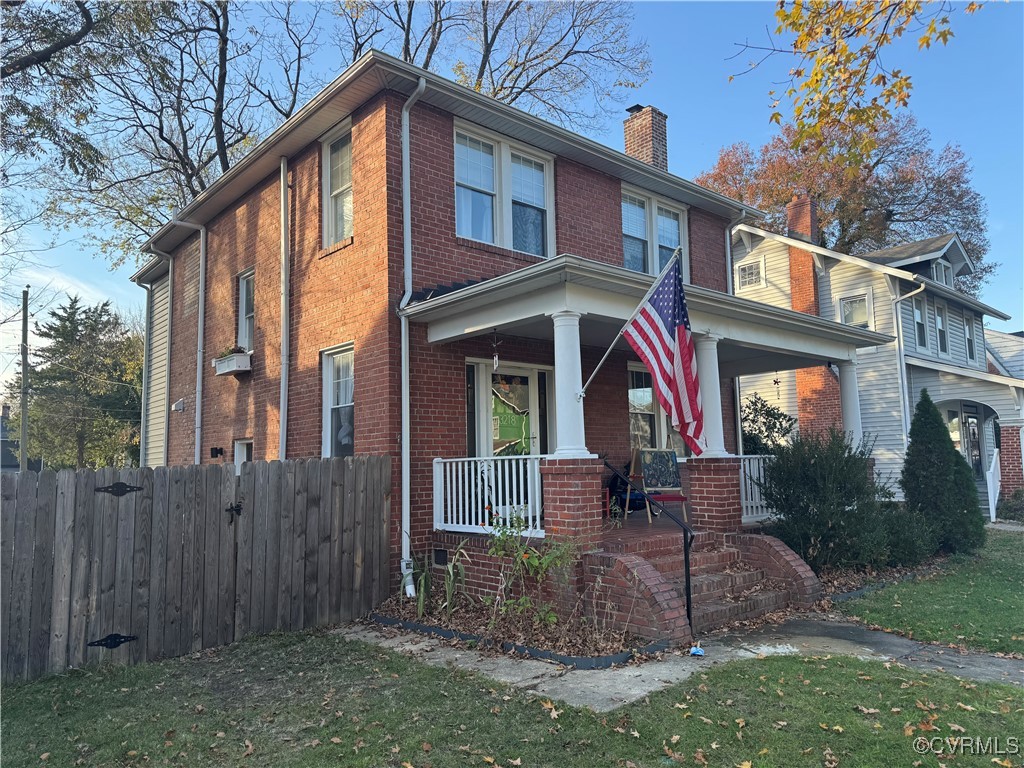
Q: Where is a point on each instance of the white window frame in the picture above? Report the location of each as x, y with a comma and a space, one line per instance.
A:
868, 303
652, 203
326, 373
504, 148
970, 338
662, 425
242, 447
244, 336
759, 262
924, 322
484, 369
943, 268
941, 306
330, 237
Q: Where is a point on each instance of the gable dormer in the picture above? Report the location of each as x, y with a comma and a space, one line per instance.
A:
939, 258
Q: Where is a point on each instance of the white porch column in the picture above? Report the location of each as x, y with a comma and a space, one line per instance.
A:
570, 439
710, 395
849, 399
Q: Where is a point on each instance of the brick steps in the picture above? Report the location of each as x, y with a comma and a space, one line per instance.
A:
708, 615
715, 586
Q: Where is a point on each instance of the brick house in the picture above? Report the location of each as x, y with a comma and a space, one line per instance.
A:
938, 342
408, 267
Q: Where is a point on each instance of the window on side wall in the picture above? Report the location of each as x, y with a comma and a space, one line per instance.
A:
652, 230
337, 187
854, 310
750, 274
942, 272
503, 193
243, 453
246, 310
969, 337
920, 323
942, 328
338, 402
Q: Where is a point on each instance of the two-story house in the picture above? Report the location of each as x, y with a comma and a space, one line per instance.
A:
940, 343
408, 267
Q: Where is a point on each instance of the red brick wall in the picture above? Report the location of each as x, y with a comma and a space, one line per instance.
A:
588, 213
1011, 473
707, 249
715, 494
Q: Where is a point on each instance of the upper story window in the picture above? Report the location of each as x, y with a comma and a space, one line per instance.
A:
942, 272
972, 354
503, 194
854, 310
246, 310
750, 274
337, 187
920, 323
650, 226
942, 328
338, 402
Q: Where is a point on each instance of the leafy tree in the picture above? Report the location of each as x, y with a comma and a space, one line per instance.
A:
543, 57
903, 191
85, 388
938, 482
765, 426
839, 86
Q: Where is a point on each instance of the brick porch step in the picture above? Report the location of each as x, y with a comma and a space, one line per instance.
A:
708, 615
701, 562
715, 586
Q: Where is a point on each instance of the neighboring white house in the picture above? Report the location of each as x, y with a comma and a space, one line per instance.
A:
941, 343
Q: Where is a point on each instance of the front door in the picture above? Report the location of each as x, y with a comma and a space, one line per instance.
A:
514, 412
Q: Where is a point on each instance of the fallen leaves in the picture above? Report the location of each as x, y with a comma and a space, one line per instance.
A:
550, 707
249, 749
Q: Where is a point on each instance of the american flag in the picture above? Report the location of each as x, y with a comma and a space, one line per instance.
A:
660, 334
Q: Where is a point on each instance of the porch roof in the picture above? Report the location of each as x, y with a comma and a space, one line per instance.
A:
755, 337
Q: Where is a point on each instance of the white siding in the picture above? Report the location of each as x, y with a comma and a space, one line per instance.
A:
957, 338
775, 270
782, 396
949, 386
155, 402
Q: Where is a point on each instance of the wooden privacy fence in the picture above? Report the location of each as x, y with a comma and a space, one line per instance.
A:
187, 558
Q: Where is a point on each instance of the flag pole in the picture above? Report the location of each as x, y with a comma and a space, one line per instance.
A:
675, 256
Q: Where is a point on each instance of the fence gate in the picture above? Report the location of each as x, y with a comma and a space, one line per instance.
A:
137, 564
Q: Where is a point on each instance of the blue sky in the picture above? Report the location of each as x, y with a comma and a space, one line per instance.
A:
970, 92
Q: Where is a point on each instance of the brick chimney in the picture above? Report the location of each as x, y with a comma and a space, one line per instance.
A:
818, 401
646, 131
802, 218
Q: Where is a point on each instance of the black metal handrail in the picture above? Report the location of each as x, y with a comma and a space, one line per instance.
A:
688, 534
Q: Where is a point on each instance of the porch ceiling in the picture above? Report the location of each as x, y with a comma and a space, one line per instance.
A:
754, 337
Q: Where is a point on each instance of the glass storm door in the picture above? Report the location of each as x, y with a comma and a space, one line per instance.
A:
972, 433
513, 409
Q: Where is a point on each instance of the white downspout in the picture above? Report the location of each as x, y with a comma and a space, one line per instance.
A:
286, 272
200, 352
901, 367
729, 289
410, 588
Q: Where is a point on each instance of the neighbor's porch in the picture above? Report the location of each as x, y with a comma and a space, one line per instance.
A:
527, 451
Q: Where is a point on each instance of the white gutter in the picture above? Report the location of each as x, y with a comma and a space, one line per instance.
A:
421, 86
200, 351
286, 272
902, 367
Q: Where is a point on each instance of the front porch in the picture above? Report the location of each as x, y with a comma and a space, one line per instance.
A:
535, 445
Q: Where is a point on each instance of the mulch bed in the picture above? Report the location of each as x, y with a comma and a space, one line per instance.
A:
575, 635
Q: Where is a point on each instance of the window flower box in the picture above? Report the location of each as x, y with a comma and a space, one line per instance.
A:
233, 362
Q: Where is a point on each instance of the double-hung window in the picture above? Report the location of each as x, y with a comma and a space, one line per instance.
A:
969, 336
643, 431
246, 310
338, 402
921, 323
503, 193
651, 232
942, 327
337, 187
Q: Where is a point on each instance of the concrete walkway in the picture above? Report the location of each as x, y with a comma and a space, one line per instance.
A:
604, 690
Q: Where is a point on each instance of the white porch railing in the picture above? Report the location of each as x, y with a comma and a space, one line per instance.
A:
471, 494
751, 500
992, 480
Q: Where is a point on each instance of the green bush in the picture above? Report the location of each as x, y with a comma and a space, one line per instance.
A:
938, 483
1011, 507
828, 501
911, 538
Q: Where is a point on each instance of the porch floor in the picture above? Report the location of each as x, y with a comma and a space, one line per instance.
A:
660, 532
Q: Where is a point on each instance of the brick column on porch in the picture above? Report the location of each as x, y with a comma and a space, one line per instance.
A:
715, 493
1011, 469
573, 500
